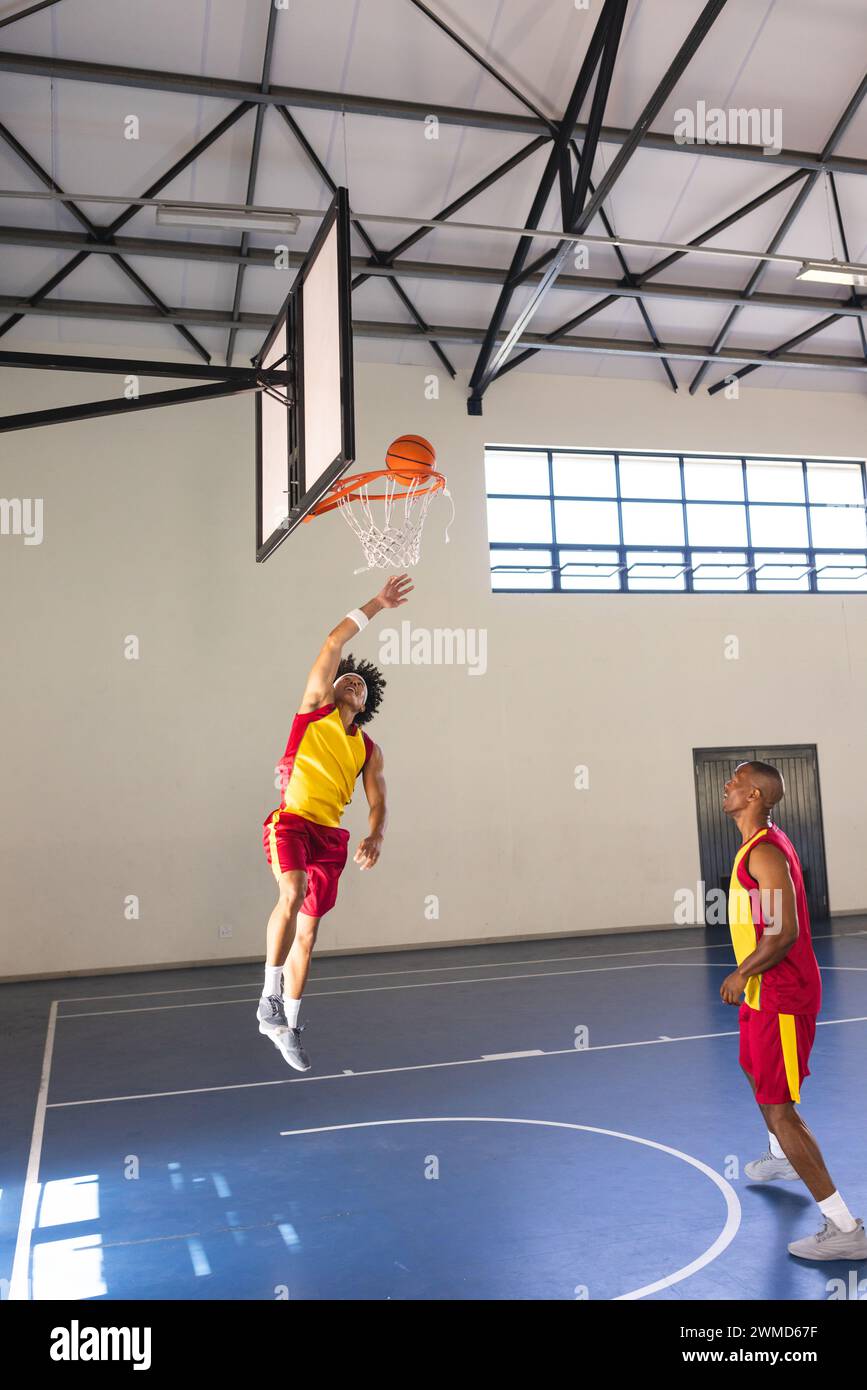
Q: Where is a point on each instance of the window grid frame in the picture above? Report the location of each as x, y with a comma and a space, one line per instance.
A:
754, 554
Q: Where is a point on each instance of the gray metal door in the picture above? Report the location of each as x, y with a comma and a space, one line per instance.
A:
799, 814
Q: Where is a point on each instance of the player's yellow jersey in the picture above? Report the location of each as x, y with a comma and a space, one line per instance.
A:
321, 764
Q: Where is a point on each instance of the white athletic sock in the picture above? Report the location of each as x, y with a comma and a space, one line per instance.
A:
775, 1146
292, 1007
273, 980
836, 1208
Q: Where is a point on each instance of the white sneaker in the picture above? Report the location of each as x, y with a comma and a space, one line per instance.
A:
769, 1168
832, 1244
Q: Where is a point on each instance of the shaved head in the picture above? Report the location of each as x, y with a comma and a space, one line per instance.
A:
769, 781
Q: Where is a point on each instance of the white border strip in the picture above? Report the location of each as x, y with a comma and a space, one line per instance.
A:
19, 1284
425, 984
431, 969
417, 1066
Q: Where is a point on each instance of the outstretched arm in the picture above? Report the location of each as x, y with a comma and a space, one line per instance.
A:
373, 778
320, 683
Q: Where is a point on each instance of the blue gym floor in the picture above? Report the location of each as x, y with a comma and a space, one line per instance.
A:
450, 1142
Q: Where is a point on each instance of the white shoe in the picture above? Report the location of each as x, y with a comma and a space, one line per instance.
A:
769, 1168
832, 1244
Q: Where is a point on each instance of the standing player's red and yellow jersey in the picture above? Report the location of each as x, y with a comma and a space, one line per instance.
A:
320, 766
793, 985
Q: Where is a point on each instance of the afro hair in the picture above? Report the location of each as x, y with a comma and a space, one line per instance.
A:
373, 679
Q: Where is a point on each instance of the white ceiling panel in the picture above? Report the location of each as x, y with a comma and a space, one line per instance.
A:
796, 57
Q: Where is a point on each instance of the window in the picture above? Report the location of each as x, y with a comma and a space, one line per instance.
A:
581, 520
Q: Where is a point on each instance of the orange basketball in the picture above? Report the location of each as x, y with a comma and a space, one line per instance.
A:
410, 448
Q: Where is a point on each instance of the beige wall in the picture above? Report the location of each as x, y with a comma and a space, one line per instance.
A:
151, 777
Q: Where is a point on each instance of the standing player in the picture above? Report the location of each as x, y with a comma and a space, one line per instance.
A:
779, 976
303, 841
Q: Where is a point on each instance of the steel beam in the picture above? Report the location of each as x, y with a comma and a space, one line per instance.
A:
134, 366
618, 347
407, 332
451, 208
583, 216
95, 233
91, 410
254, 166
854, 299
629, 278
228, 89
641, 281
639, 287
488, 67
551, 172
797, 204
25, 14
368, 240
106, 235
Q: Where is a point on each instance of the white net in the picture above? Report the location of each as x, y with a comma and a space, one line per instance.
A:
394, 541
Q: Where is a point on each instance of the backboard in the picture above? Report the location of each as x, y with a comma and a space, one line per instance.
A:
305, 437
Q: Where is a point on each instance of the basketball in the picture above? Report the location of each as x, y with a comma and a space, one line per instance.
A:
410, 448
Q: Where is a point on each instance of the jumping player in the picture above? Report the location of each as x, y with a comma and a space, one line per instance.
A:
304, 844
778, 977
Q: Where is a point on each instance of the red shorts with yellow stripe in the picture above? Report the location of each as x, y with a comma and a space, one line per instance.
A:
291, 842
775, 1050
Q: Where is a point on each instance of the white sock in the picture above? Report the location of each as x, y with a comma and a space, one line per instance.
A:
774, 1146
836, 1208
292, 1007
273, 980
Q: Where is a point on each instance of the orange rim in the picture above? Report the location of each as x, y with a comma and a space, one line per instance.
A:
348, 489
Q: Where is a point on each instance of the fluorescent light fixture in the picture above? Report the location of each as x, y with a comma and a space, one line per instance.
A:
834, 273
227, 219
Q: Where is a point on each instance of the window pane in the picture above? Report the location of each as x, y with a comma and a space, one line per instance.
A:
649, 477
778, 525
585, 475
655, 569
838, 526
519, 520
725, 570
586, 523
784, 572
716, 525
508, 472
772, 481
842, 572
521, 569
835, 482
589, 569
653, 523
719, 479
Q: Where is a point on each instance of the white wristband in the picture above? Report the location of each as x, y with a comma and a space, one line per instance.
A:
360, 619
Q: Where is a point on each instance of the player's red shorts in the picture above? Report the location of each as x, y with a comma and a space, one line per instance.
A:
291, 842
775, 1050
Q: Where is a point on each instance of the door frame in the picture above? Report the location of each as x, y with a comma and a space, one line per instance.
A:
771, 749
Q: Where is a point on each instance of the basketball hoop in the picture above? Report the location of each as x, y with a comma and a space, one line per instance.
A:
393, 541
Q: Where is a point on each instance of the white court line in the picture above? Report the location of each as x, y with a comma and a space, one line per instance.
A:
19, 1284
422, 984
733, 1206
425, 984
430, 969
416, 1066
507, 1056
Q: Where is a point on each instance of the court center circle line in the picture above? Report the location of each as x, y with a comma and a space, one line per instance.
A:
733, 1206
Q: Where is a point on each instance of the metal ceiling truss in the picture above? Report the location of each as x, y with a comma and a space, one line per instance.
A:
501, 352
228, 89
